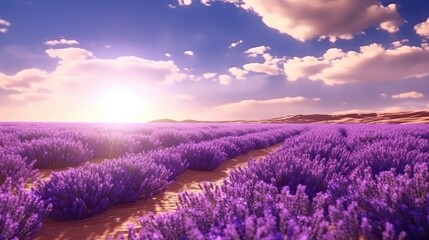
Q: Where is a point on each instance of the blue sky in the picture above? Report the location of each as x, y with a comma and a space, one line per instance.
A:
112, 60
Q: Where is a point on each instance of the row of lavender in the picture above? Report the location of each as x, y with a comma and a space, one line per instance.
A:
84, 191
57, 146
331, 182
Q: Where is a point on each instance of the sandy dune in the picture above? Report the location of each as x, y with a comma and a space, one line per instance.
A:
117, 218
400, 117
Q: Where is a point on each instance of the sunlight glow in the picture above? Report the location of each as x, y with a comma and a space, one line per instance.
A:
120, 105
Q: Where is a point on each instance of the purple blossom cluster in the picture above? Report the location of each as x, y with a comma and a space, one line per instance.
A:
21, 212
54, 152
329, 182
16, 169
91, 189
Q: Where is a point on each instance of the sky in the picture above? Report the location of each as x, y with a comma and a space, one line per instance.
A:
139, 60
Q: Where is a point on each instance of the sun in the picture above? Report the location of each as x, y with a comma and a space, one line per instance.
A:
120, 105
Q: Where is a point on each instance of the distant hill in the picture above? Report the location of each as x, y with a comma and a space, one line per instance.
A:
400, 117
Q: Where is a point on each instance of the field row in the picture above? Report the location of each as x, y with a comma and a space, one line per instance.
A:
331, 182
57, 146
84, 191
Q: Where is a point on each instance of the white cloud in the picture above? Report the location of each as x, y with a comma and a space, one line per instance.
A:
70, 54
245, 104
4, 24
390, 109
257, 51
263, 109
422, 28
239, 73
297, 68
24, 80
351, 111
412, 94
367, 65
333, 53
333, 19
81, 65
224, 79
270, 65
72, 91
209, 75
185, 2
168, 55
383, 95
189, 53
400, 43
235, 44
61, 42
269, 69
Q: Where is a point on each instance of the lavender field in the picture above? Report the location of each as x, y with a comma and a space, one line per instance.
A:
323, 182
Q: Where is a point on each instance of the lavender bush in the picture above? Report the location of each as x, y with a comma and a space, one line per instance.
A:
82, 192
54, 152
15, 168
203, 156
21, 212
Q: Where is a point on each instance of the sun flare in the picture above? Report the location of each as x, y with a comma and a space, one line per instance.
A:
120, 105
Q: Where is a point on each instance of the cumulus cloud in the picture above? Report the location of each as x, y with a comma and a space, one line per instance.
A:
367, 65
270, 66
209, 75
235, 44
400, 43
297, 68
239, 73
269, 69
224, 79
73, 89
81, 67
257, 51
24, 79
189, 53
422, 28
69, 54
61, 41
168, 55
78, 63
405, 95
28, 85
334, 19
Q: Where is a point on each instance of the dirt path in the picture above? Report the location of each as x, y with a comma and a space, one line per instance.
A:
117, 217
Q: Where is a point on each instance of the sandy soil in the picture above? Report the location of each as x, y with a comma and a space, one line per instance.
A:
117, 218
